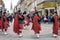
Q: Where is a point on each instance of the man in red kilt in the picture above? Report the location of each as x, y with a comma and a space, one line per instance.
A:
15, 23
36, 25
5, 23
18, 24
55, 24
26, 21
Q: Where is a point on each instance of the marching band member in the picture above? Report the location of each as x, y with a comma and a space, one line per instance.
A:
18, 24
26, 22
55, 24
5, 23
36, 25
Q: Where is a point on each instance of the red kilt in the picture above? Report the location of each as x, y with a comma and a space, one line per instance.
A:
36, 26
5, 25
55, 25
55, 29
20, 26
15, 27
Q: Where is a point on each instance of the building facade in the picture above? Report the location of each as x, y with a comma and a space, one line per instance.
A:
45, 7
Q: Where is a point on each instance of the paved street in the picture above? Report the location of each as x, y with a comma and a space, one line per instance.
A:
46, 34
22, 11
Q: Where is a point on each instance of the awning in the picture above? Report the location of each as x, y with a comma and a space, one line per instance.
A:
40, 7
49, 4
46, 5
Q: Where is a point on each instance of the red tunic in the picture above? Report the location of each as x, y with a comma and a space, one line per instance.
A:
36, 26
5, 23
20, 27
15, 27
55, 25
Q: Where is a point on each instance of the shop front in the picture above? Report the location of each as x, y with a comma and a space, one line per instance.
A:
46, 8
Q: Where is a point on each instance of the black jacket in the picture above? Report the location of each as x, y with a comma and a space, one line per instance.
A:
20, 20
52, 19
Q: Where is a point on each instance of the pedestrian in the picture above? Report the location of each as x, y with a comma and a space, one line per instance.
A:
11, 18
55, 24
5, 23
45, 19
49, 18
36, 26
